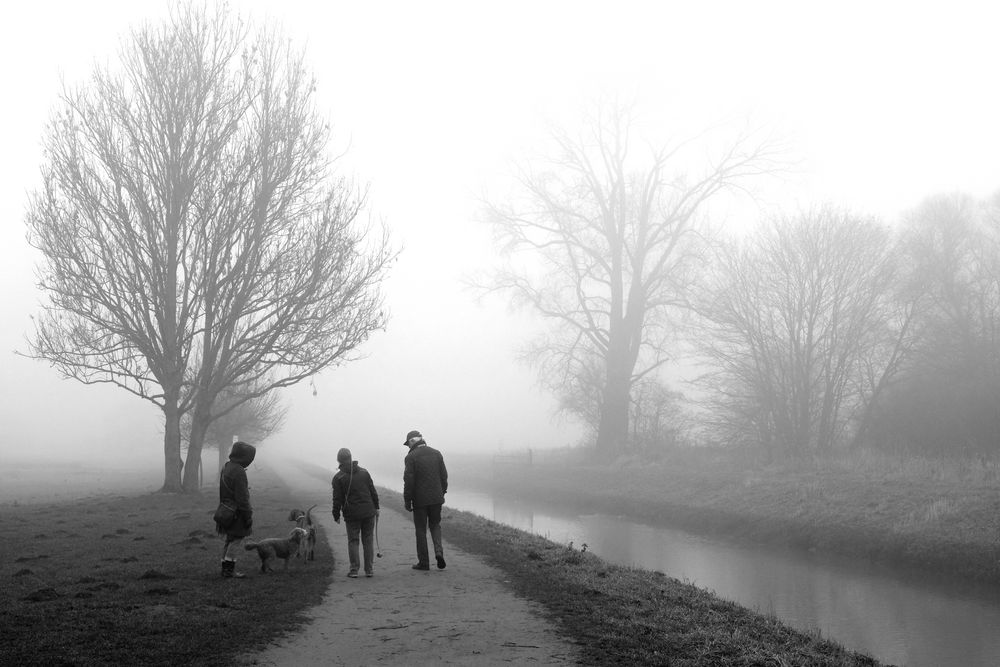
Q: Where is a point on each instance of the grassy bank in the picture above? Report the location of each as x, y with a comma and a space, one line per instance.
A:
127, 580
929, 520
620, 615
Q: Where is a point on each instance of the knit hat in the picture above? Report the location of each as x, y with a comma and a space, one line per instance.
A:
344, 455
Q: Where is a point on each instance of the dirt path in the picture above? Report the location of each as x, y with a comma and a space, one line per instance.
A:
463, 615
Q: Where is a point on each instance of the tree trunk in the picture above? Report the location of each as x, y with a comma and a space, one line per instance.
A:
192, 470
612, 432
172, 462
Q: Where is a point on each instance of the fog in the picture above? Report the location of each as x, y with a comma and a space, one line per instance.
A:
431, 102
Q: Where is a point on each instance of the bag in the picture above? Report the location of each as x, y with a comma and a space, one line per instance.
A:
225, 515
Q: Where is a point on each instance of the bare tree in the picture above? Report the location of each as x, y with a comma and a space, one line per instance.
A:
657, 420
612, 237
947, 400
803, 330
192, 235
291, 278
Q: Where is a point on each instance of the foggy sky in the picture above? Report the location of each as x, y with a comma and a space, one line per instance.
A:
881, 104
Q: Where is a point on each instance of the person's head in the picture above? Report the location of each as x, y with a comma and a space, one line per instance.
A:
242, 453
413, 438
343, 456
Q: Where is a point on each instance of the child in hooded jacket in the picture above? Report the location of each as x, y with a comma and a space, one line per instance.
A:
235, 491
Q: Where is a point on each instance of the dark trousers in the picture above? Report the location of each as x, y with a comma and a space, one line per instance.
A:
424, 517
362, 532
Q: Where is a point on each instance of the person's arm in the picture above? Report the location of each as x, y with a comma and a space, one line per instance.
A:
371, 489
408, 484
241, 494
338, 498
444, 477
241, 491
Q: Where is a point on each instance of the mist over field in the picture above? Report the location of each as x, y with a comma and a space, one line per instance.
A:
693, 292
432, 106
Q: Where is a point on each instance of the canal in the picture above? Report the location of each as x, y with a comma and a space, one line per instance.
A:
901, 618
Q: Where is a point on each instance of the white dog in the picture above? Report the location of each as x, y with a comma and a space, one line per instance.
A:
307, 549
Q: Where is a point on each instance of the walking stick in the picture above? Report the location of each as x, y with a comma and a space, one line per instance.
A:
378, 548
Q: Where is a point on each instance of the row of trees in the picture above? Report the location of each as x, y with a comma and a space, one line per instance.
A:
198, 248
816, 331
830, 330
200, 251
804, 327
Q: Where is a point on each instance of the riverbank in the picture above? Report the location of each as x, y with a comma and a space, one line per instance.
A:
134, 579
939, 523
620, 615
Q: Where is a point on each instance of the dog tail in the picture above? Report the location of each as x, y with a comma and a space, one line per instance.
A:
309, 516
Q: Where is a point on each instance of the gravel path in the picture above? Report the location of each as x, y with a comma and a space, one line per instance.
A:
462, 615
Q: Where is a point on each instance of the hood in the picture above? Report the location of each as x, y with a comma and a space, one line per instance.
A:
243, 453
349, 466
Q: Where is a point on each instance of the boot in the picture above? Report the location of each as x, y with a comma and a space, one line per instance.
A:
229, 570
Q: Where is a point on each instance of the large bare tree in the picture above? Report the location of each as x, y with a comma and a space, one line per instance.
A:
804, 328
291, 277
608, 235
192, 231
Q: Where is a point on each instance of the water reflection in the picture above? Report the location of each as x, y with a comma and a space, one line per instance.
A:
895, 617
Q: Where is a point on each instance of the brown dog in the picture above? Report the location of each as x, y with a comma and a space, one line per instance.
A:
303, 520
277, 547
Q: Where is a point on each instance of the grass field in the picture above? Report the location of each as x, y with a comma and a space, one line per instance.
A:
134, 579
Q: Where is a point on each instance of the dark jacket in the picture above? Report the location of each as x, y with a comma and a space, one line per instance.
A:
354, 493
233, 487
425, 479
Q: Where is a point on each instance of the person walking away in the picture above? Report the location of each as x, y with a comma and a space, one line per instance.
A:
354, 494
425, 481
234, 489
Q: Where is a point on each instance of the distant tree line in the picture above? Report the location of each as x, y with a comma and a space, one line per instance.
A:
818, 332
830, 331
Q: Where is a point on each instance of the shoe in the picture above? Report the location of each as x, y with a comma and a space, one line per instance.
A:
352, 574
440, 560
421, 566
229, 570
369, 574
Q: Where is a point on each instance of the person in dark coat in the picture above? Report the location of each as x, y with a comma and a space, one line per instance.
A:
425, 481
354, 494
234, 490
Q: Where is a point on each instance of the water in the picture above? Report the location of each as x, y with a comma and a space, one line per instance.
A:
898, 618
